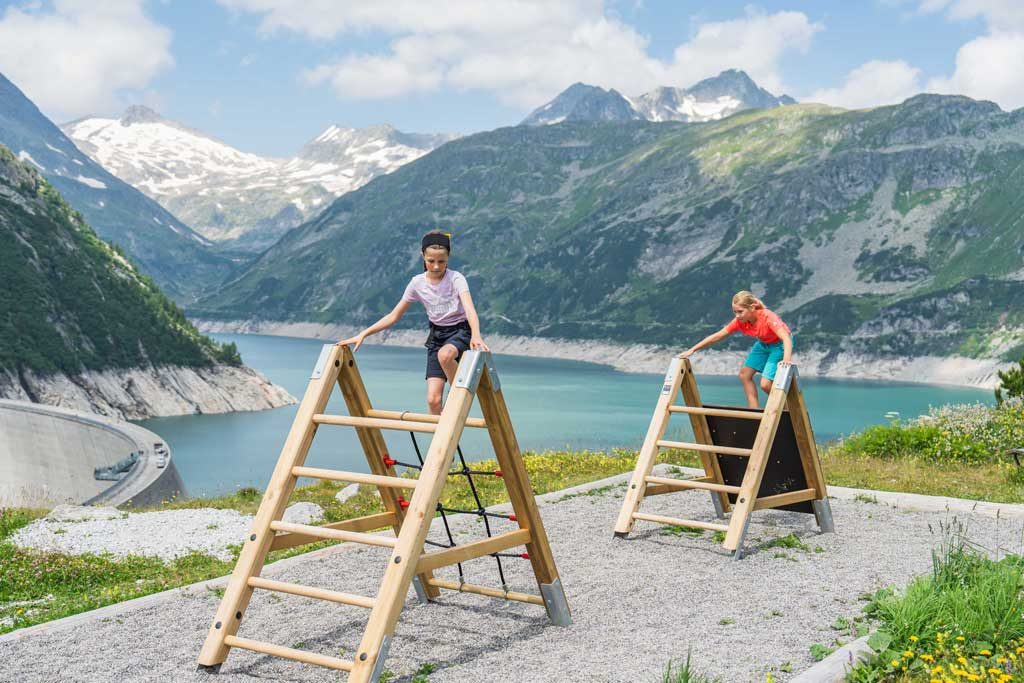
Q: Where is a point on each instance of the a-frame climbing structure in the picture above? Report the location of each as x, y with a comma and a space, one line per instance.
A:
408, 564
752, 459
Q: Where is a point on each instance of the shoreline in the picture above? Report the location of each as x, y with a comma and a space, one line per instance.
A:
648, 358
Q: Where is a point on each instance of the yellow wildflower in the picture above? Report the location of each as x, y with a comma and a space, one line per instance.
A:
985, 652
928, 658
913, 638
895, 663
909, 654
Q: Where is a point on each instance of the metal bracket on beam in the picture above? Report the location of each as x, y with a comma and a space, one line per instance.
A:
321, 362
378, 664
471, 367
555, 603
823, 513
784, 377
421, 592
670, 376
738, 555
717, 502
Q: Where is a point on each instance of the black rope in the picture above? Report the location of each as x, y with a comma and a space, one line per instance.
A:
444, 518
479, 511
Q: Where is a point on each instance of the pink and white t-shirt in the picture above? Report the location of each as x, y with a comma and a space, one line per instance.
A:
444, 307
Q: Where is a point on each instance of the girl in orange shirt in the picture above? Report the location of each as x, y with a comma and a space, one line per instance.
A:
774, 343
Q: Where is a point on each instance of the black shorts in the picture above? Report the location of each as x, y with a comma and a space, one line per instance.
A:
458, 335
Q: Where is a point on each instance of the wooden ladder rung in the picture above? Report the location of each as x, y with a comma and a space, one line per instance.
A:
717, 412
374, 423
355, 477
722, 450
710, 526
462, 553
421, 417
289, 653
693, 484
311, 592
485, 590
335, 534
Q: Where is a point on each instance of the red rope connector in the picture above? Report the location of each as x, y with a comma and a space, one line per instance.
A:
389, 461
525, 556
402, 503
513, 518
498, 473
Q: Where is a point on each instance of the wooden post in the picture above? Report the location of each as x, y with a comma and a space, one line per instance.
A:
649, 451
275, 499
402, 565
755, 467
357, 400
702, 434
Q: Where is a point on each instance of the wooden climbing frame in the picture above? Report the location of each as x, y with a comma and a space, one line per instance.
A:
411, 520
753, 459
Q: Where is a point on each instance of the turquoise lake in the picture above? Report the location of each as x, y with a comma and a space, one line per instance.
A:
555, 404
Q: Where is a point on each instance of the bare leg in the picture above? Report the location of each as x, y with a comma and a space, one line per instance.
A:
435, 394
446, 356
749, 389
766, 385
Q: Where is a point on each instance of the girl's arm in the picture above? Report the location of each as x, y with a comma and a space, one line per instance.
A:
787, 344
706, 341
476, 342
387, 321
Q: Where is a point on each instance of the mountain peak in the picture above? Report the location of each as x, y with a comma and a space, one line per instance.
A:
582, 102
712, 98
138, 113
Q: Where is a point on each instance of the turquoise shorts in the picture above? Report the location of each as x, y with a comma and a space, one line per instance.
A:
765, 358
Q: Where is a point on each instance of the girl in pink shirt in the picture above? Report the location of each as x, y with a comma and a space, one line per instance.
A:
454, 324
774, 343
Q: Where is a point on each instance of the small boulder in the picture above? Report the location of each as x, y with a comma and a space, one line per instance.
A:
346, 493
303, 513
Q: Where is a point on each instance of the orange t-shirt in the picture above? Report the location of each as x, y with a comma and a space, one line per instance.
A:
764, 328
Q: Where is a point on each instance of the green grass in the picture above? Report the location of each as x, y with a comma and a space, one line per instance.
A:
965, 614
684, 673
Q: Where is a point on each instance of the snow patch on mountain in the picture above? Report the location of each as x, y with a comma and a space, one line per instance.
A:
232, 196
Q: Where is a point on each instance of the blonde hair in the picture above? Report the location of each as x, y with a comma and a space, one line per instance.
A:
746, 300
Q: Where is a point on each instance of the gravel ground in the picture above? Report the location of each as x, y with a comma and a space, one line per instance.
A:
636, 603
77, 530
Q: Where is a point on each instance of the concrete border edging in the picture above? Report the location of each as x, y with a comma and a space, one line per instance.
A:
833, 669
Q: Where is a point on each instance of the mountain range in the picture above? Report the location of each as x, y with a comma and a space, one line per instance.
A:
241, 201
166, 249
709, 100
890, 231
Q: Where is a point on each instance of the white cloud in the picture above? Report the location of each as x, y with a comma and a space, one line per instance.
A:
525, 51
987, 67
872, 84
78, 56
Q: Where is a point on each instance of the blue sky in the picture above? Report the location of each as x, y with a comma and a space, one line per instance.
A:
267, 75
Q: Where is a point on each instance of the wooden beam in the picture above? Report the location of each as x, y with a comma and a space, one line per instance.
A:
311, 592
289, 653
489, 592
694, 484
355, 477
785, 499
367, 523
475, 422
660, 519
717, 412
375, 423
335, 534
722, 450
469, 551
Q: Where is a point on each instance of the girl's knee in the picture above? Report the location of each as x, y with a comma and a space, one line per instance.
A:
766, 384
434, 402
447, 353
746, 374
